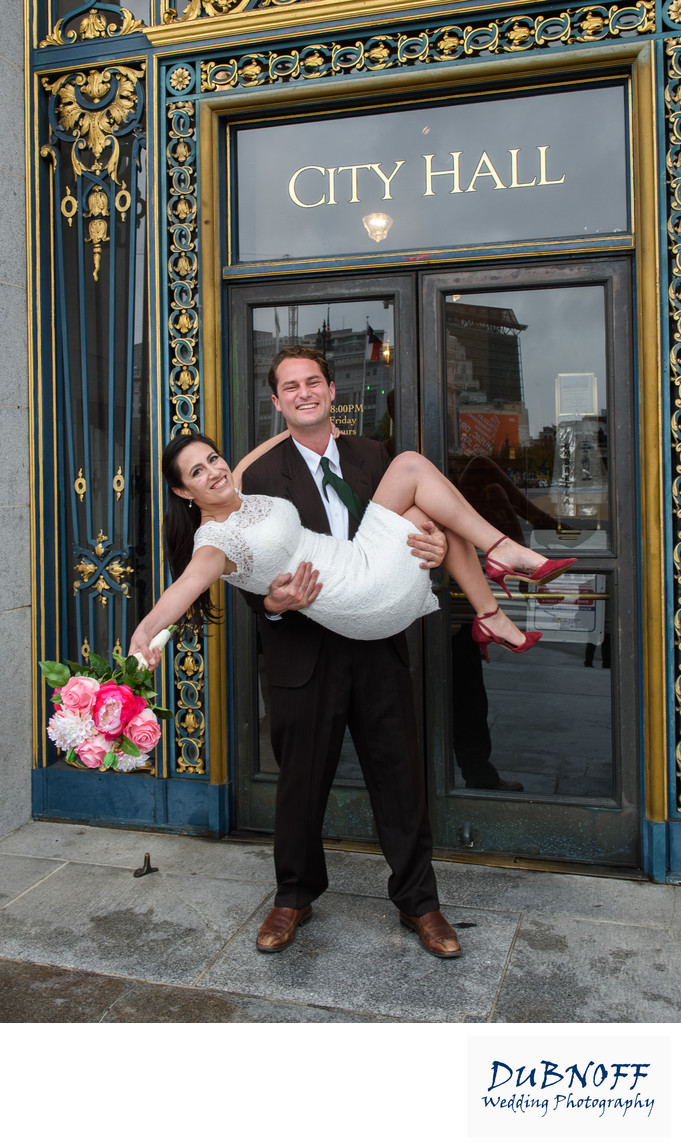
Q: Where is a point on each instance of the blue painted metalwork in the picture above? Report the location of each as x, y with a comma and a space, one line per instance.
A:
420, 39
96, 126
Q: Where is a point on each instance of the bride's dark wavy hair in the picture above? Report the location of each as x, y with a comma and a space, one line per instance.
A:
180, 523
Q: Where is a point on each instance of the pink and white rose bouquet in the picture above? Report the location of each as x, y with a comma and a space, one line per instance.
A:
105, 718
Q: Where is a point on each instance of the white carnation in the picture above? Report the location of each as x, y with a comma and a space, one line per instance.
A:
126, 762
67, 729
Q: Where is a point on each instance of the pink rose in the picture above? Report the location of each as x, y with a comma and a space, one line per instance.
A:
144, 730
91, 752
115, 706
78, 694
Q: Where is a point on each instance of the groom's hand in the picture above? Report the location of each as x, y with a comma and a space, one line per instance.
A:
430, 547
293, 591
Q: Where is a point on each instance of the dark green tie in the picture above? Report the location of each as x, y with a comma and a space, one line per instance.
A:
343, 490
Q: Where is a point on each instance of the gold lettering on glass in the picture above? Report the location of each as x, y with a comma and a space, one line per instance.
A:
387, 179
332, 186
480, 173
514, 152
453, 171
543, 178
292, 187
354, 168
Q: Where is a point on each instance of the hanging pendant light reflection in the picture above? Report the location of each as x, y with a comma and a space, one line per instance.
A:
378, 224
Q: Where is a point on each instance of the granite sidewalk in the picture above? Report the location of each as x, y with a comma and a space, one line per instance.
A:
84, 940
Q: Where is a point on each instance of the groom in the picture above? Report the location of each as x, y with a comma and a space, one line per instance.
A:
320, 682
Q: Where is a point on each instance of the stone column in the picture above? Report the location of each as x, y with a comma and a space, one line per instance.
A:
16, 654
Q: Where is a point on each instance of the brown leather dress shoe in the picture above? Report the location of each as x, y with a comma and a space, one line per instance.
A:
279, 928
435, 933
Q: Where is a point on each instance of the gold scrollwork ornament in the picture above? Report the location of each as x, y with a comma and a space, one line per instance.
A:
592, 23
100, 586
116, 571
69, 206
123, 201
86, 570
98, 228
184, 380
80, 485
93, 26
180, 79
197, 8
118, 483
190, 722
189, 666
94, 129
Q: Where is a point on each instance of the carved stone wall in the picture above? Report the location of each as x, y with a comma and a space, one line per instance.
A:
15, 558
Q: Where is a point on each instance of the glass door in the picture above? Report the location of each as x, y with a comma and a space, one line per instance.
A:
528, 405
366, 330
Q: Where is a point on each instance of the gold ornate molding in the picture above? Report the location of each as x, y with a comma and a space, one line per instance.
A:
197, 9
94, 25
92, 109
441, 45
183, 324
94, 129
190, 728
594, 22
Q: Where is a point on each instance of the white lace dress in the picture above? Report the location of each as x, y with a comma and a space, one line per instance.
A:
373, 586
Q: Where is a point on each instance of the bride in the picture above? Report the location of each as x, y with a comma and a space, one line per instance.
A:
369, 587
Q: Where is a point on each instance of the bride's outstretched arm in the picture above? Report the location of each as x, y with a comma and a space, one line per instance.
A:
205, 568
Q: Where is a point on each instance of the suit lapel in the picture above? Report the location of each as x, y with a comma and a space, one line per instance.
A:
302, 490
355, 473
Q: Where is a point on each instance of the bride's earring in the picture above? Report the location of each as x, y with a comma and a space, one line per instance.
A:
191, 503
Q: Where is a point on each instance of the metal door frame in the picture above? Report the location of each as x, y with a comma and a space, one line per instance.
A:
456, 818
254, 792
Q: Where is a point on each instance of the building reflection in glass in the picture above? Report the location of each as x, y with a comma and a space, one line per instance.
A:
528, 446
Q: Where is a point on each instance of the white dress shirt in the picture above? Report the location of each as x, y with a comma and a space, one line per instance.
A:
336, 510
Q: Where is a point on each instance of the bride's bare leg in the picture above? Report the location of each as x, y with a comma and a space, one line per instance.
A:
411, 480
463, 565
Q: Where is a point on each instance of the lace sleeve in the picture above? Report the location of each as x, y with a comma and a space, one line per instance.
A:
231, 537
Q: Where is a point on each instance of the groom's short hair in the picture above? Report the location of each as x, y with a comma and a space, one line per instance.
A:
297, 351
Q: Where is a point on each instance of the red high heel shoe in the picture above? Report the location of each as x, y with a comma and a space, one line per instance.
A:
551, 568
483, 636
